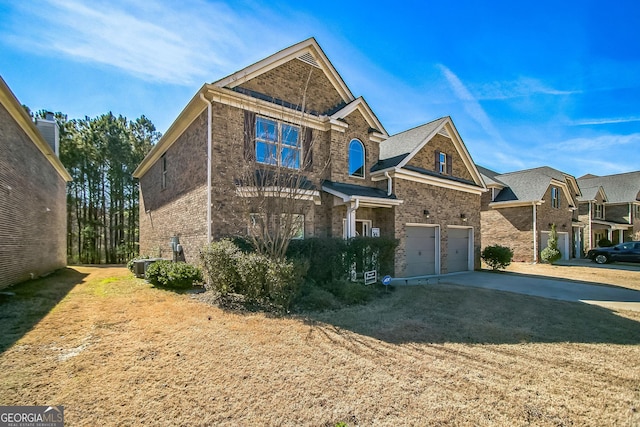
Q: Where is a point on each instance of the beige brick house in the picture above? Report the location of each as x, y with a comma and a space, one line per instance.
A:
520, 207
33, 208
293, 110
609, 208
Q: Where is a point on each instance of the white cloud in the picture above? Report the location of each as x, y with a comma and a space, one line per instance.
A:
520, 88
605, 121
470, 103
169, 42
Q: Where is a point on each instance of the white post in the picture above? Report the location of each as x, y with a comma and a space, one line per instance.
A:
535, 235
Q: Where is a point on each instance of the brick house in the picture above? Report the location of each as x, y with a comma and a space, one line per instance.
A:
33, 209
609, 208
293, 110
520, 207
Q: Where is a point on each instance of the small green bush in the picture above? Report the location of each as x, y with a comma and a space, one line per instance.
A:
604, 243
174, 275
497, 256
311, 297
551, 254
258, 278
219, 262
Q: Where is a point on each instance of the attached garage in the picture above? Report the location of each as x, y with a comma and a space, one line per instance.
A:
421, 249
563, 242
459, 247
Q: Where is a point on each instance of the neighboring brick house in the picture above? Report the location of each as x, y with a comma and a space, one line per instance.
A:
520, 207
420, 186
610, 208
33, 209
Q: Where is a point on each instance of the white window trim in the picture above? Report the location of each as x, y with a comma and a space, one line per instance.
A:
442, 164
364, 159
366, 226
163, 165
278, 142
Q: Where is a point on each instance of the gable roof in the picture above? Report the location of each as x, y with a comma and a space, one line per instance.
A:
490, 177
361, 105
20, 116
529, 186
619, 188
397, 150
308, 51
223, 91
591, 193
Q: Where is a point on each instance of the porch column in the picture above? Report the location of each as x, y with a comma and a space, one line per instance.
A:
351, 218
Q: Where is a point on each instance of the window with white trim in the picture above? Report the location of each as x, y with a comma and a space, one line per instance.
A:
356, 158
297, 225
443, 163
598, 211
163, 163
555, 197
277, 143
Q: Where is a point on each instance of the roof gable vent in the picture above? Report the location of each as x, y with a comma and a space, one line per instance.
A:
309, 59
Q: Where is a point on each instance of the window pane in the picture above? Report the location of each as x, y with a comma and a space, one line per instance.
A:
290, 135
266, 129
356, 159
266, 153
290, 158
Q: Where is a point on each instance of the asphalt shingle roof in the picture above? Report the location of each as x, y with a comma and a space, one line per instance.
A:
405, 142
357, 190
619, 188
525, 186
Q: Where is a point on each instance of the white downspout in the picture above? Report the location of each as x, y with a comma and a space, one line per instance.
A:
389, 183
590, 226
208, 166
535, 235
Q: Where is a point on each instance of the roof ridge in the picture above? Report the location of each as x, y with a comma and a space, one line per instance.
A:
419, 126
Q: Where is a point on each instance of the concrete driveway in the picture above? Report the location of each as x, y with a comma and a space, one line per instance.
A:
567, 290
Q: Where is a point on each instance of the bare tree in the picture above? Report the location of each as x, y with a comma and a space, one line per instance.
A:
279, 181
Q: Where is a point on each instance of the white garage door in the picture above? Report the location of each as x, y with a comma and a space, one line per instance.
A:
420, 249
457, 249
563, 243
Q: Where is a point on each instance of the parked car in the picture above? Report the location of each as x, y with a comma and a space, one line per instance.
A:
627, 252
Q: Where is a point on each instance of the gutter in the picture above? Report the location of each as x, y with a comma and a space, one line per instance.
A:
208, 166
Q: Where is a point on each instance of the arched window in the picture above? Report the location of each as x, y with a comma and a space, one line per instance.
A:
356, 158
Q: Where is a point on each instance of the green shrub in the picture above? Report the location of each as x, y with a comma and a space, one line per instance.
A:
219, 263
311, 297
497, 256
258, 278
551, 254
330, 259
604, 243
174, 275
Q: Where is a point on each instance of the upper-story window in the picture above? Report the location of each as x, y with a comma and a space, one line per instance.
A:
555, 197
277, 143
598, 211
444, 163
163, 163
356, 158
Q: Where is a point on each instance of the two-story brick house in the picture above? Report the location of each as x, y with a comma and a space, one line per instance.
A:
293, 111
33, 207
520, 207
610, 208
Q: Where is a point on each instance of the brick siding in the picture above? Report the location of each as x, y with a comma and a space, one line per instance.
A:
33, 210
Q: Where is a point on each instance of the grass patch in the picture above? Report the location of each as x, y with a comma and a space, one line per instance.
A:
432, 355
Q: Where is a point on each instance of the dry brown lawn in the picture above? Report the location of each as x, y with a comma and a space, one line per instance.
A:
624, 275
115, 351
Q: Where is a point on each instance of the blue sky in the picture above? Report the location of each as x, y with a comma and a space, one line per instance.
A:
545, 83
